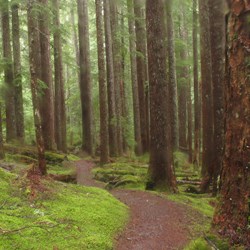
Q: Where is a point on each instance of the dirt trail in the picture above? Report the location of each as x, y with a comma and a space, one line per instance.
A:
155, 223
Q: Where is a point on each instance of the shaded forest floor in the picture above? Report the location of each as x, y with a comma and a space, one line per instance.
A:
47, 214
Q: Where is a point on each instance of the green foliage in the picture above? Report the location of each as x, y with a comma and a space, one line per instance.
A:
198, 244
64, 217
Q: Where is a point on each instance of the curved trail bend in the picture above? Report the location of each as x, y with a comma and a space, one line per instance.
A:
155, 223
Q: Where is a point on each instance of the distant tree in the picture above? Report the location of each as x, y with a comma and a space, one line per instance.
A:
207, 104
85, 76
141, 59
46, 92
217, 36
160, 167
1, 134
60, 109
173, 99
115, 32
110, 81
232, 213
11, 132
183, 85
197, 103
19, 113
34, 59
136, 105
104, 143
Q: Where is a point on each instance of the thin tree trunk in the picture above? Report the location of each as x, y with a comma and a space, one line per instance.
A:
232, 213
46, 93
123, 87
136, 106
197, 115
34, 58
160, 167
17, 73
207, 102
104, 143
60, 114
117, 70
110, 81
11, 132
173, 98
75, 37
217, 32
85, 76
183, 88
190, 123
139, 9
1, 134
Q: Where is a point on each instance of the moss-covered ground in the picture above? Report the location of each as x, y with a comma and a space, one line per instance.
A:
59, 215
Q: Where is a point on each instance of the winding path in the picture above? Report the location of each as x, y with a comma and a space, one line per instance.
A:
155, 223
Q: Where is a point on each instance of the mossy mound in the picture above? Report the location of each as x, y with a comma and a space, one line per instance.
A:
120, 174
65, 216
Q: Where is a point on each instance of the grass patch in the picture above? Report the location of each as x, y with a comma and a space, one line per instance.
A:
65, 217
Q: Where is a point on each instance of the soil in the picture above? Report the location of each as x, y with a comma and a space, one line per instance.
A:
155, 222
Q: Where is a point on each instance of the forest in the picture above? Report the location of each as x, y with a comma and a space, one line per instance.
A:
125, 124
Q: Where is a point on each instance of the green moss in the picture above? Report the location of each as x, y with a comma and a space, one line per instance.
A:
198, 244
67, 217
61, 170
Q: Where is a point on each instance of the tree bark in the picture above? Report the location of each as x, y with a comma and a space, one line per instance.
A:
46, 93
160, 167
11, 132
17, 73
34, 58
114, 19
183, 87
217, 33
197, 103
1, 134
60, 109
173, 98
232, 214
104, 143
207, 103
141, 59
85, 76
136, 106
110, 81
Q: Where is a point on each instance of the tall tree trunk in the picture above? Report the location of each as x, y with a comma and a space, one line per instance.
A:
104, 143
75, 37
1, 134
34, 58
160, 167
139, 9
136, 107
114, 19
46, 93
11, 132
110, 80
217, 33
124, 98
85, 76
197, 115
207, 103
173, 98
183, 87
17, 73
232, 214
190, 123
60, 114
